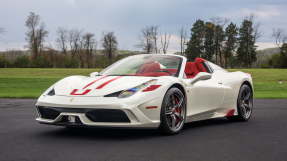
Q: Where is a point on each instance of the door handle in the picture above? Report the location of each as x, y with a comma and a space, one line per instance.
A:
220, 83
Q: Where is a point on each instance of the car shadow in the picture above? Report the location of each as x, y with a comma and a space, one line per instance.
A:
125, 133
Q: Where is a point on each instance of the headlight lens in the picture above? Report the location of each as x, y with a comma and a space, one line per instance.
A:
132, 91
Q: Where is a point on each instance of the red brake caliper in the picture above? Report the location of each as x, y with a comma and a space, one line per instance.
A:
178, 110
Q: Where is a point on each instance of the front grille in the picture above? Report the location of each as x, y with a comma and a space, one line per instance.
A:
95, 115
48, 113
107, 115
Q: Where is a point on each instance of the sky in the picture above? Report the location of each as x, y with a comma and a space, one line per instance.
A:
126, 18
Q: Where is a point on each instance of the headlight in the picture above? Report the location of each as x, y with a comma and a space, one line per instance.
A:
145, 87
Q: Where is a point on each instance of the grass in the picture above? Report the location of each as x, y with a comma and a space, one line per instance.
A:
268, 83
31, 82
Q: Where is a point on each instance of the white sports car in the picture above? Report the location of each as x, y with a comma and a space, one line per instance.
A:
149, 90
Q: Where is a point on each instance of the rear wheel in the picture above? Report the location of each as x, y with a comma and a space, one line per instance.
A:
244, 104
173, 112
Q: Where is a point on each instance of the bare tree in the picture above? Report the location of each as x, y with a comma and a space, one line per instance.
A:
256, 27
36, 34
149, 38
279, 36
75, 41
183, 39
62, 40
89, 45
110, 44
280, 40
164, 39
146, 40
154, 34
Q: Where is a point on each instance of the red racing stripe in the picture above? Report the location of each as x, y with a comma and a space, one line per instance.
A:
74, 92
95, 81
107, 82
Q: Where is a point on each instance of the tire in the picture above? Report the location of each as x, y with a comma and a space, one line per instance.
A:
173, 112
244, 104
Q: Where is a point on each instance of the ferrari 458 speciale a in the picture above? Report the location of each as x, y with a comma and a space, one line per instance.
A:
150, 90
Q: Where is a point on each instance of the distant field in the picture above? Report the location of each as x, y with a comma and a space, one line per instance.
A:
31, 82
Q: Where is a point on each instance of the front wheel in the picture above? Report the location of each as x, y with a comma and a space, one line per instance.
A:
173, 112
244, 104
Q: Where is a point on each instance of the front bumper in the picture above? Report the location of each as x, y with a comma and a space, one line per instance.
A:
98, 111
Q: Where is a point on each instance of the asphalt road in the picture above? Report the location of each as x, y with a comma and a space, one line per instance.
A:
263, 138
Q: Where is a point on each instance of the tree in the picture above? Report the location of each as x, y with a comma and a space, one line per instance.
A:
110, 44
209, 43
89, 45
218, 43
279, 36
148, 39
246, 52
195, 46
219, 37
75, 42
154, 34
281, 42
62, 40
36, 34
231, 33
183, 40
164, 39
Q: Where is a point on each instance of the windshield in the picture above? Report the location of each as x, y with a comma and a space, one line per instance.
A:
146, 65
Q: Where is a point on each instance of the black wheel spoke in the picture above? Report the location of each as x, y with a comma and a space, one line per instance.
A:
243, 109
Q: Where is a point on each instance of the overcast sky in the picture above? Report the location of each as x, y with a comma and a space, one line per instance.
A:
127, 17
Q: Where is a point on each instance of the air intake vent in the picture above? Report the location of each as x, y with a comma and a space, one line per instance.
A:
107, 115
48, 113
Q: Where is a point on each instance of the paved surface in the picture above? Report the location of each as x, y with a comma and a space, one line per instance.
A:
263, 138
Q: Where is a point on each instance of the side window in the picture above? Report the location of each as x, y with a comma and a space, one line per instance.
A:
215, 67
207, 67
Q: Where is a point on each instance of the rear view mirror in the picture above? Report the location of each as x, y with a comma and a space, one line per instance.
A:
94, 74
201, 76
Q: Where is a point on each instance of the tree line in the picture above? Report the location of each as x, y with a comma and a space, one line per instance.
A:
77, 46
218, 40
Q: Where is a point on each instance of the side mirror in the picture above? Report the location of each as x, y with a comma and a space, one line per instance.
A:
94, 74
201, 76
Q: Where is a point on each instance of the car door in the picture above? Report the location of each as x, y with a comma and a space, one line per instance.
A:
205, 95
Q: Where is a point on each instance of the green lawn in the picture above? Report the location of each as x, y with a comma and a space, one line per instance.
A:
31, 82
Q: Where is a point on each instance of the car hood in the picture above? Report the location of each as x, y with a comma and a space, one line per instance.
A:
97, 86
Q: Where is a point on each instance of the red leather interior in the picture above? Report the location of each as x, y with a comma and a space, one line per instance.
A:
190, 69
199, 64
172, 71
193, 68
149, 68
153, 69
